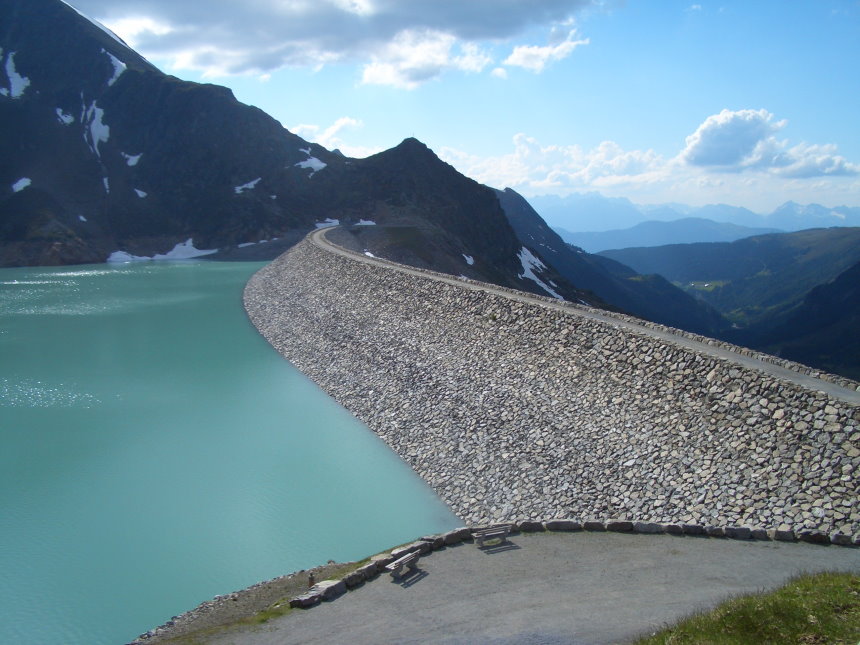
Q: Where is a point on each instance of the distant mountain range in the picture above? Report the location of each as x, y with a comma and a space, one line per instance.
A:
591, 212
654, 233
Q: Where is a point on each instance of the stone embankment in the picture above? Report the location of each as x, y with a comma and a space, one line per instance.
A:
516, 411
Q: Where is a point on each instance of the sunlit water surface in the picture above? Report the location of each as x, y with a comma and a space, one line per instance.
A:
156, 452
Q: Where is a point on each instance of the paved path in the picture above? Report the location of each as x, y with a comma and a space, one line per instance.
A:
552, 588
809, 382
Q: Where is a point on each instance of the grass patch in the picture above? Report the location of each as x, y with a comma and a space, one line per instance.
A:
282, 606
810, 610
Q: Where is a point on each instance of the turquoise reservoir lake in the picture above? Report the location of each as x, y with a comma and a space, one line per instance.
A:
156, 452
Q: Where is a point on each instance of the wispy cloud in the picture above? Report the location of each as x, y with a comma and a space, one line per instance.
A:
415, 57
536, 58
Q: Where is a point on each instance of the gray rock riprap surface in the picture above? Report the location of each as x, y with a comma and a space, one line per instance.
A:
513, 411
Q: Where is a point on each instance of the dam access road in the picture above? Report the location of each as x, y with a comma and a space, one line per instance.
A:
718, 350
546, 589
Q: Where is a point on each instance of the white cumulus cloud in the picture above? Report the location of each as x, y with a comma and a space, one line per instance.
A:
730, 139
732, 157
223, 37
746, 140
415, 57
532, 166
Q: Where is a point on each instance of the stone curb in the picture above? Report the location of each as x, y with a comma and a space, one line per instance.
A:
435, 542
329, 590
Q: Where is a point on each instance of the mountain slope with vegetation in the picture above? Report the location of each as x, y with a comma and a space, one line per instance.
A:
103, 155
754, 278
795, 295
823, 330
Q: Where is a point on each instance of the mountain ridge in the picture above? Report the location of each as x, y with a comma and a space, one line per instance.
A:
592, 212
119, 156
686, 230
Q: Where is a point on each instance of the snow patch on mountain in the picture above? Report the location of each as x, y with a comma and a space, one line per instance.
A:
314, 164
106, 183
82, 218
140, 193
131, 160
469, 259
65, 119
531, 264
95, 131
21, 184
17, 83
366, 222
249, 186
329, 222
118, 67
182, 251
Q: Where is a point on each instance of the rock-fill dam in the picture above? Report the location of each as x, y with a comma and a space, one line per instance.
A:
512, 408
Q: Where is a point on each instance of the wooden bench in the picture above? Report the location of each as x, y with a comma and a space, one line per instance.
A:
482, 535
409, 561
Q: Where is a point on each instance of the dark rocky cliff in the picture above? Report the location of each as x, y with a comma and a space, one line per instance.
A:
117, 155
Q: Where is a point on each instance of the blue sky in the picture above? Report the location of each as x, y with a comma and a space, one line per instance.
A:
750, 103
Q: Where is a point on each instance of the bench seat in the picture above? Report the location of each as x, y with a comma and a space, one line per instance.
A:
409, 561
490, 533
